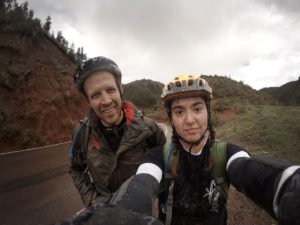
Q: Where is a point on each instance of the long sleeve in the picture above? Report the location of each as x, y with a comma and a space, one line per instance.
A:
137, 193
271, 183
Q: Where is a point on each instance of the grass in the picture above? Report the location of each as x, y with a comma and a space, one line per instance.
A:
261, 129
271, 130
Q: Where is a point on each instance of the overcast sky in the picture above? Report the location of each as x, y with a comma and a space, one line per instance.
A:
254, 41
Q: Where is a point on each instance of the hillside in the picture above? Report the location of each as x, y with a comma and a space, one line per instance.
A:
38, 101
144, 93
227, 93
287, 94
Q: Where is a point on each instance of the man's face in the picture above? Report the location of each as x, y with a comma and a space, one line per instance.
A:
104, 97
189, 118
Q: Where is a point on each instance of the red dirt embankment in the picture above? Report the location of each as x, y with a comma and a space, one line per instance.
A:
227, 115
39, 104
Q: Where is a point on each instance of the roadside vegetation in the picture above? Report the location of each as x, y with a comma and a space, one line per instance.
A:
266, 129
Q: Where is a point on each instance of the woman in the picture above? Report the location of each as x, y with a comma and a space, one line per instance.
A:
196, 161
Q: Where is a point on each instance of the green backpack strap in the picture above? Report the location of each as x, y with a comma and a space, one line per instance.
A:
218, 153
168, 181
168, 158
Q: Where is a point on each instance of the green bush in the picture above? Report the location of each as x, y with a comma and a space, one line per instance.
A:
5, 80
28, 137
222, 104
8, 129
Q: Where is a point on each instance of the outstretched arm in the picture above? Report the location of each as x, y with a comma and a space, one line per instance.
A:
271, 183
137, 193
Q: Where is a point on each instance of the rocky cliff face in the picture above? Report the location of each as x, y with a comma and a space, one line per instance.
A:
38, 101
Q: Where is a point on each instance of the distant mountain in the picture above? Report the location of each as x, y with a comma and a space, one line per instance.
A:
226, 87
144, 93
287, 94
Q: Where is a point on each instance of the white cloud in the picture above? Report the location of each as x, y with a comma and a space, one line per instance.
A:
254, 41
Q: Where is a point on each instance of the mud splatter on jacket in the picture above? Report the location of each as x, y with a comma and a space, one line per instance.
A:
109, 168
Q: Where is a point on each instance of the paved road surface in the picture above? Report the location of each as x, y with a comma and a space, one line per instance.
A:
35, 188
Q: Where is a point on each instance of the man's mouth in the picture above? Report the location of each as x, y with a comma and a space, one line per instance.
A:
109, 110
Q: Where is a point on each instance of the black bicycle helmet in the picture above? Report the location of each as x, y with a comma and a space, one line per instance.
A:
93, 65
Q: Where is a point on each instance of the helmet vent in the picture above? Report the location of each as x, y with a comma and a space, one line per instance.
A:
169, 87
200, 83
178, 84
190, 82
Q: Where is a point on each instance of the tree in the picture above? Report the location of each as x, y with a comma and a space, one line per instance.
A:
24, 7
80, 56
30, 14
65, 44
47, 25
59, 37
71, 50
2, 6
77, 56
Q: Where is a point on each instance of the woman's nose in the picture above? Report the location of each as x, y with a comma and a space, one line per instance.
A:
189, 117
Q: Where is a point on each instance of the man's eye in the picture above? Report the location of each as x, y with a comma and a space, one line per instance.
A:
95, 96
111, 91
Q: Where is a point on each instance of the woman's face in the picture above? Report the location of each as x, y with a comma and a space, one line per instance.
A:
189, 118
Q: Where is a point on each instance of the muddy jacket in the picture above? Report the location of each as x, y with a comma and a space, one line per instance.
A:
97, 169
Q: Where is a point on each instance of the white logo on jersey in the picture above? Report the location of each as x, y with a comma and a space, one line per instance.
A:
213, 196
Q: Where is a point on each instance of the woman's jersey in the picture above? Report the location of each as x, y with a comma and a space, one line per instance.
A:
197, 199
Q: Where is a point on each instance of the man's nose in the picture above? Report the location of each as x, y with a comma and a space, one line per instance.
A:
106, 99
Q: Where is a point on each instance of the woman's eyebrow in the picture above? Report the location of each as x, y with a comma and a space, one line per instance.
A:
198, 103
177, 107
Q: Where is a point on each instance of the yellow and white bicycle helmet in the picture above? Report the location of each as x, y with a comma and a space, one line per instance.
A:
186, 86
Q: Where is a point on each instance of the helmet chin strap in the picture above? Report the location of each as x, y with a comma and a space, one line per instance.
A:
195, 143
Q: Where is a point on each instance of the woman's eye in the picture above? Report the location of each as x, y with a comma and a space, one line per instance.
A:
178, 113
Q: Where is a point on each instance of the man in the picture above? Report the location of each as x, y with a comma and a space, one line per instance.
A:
201, 168
107, 145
